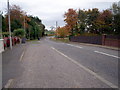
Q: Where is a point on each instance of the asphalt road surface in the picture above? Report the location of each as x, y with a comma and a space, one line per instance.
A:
49, 64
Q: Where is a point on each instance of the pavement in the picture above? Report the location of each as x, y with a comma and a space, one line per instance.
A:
0, 70
11, 67
49, 64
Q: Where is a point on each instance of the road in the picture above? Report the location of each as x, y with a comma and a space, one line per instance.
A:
49, 64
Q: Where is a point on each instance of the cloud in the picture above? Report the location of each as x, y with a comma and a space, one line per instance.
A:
51, 11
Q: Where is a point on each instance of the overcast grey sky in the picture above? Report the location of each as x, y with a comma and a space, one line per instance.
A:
50, 11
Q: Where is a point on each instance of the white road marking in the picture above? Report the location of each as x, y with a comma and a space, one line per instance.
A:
88, 70
9, 83
74, 46
22, 56
107, 54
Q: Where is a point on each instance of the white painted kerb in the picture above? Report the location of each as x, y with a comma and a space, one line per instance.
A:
1, 46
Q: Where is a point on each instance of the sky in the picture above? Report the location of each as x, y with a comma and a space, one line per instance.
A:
50, 11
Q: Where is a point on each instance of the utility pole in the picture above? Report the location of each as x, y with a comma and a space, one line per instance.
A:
56, 24
1, 37
9, 25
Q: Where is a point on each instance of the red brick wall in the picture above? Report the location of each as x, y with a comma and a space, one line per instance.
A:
110, 42
107, 40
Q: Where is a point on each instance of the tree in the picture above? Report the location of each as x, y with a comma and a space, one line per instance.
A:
3, 24
104, 22
71, 18
116, 24
36, 28
17, 17
90, 20
115, 8
82, 15
116, 17
62, 32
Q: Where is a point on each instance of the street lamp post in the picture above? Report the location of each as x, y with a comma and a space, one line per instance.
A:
9, 25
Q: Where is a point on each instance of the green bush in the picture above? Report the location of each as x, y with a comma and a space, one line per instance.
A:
88, 34
19, 33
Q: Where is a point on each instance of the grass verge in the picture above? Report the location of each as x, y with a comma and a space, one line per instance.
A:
65, 40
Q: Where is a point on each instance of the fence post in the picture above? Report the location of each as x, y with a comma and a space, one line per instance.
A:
103, 39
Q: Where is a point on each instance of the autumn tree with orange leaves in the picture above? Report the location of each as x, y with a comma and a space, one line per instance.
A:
71, 18
62, 32
17, 17
20, 20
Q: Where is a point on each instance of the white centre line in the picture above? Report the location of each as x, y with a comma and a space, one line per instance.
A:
107, 54
74, 46
88, 70
22, 56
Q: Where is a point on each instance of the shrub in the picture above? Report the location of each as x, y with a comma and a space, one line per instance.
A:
19, 32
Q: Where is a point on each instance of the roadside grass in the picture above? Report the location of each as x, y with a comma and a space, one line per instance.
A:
33, 41
65, 40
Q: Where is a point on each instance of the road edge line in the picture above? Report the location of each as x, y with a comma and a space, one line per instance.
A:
88, 70
9, 83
